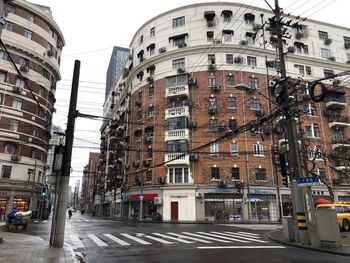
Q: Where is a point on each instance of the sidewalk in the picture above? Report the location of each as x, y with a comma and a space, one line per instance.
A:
22, 248
343, 248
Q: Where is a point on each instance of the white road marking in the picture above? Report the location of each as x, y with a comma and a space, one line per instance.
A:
159, 240
94, 220
254, 247
173, 238
248, 233
143, 242
45, 221
237, 235
205, 237
191, 238
76, 241
86, 220
118, 240
97, 241
79, 220
36, 221
220, 235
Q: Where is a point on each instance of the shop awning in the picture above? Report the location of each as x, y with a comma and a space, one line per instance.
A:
146, 197
209, 14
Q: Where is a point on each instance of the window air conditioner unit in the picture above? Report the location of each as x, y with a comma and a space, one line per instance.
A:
158, 200
192, 82
212, 66
193, 157
199, 194
215, 88
346, 45
15, 158
243, 42
238, 59
17, 89
162, 50
181, 45
150, 79
217, 41
50, 53
181, 70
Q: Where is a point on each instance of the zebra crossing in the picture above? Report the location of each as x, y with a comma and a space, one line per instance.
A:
72, 220
241, 238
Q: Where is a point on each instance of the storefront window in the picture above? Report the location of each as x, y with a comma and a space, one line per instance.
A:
22, 204
263, 208
223, 207
3, 203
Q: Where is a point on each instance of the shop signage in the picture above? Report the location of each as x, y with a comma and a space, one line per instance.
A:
141, 197
223, 191
146, 197
4, 194
261, 191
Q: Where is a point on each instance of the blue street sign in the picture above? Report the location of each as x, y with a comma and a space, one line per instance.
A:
308, 181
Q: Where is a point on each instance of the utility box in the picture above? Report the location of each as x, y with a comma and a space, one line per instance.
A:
288, 228
328, 228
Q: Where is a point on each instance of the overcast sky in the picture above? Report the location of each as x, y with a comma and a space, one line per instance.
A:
92, 28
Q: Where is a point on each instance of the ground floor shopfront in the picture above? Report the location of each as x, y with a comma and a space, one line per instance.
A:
201, 204
19, 199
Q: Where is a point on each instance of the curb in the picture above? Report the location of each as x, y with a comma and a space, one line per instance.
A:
270, 236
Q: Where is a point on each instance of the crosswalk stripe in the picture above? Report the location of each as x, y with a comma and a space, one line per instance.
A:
173, 238
254, 238
86, 220
191, 238
205, 237
240, 247
36, 221
79, 220
242, 237
94, 220
118, 240
219, 235
76, 241
159, 240
97, 241
143, 242
247, 233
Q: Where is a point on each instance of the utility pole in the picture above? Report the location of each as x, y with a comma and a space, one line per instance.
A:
62, 201
294, 160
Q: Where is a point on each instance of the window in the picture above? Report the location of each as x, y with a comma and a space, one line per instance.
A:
234, 148
41, 91
17, 103
308, 70
30, 174
176, 80
151, 91
227, 16
229, 80
19, 83
250, 38
300, 68
235, 173
149, 153
312, 110
35, 132
215, 173
315, 153
347, 41
28, 34
258, 149
176, 123
227, 35
313, 131
214, 148
253, 82
2, 77
260, 174
179, 63
328, 73
14, 125
338, 135
213, 103
8, 26
301, 48
229, 59
178, 175
179, 41
255, 104
23, 61
177, 146
210, 35
10, 148
348, 57
232, 124
3, 55
211, 59
152, 32
30, 17
251, 61
322, 35
231, 102
179, 21
10, 9
150, 112
325, 53
213, 125
211, 80
6, 171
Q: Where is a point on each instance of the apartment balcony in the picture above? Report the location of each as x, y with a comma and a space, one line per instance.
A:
177, 91
177, 112
340, 165
335, 102
177, 135
345, 142
183, 160
338, 121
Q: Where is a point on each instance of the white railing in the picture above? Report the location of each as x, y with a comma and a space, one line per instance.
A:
177, 112
177, 135
184, 159
177, 91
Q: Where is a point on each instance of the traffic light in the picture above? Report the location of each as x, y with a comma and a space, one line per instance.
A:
284, 169
122, 193
44, 191
239, 187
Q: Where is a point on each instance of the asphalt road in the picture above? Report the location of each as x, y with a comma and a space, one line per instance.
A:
99, 240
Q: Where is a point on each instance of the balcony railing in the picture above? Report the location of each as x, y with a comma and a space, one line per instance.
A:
175, 91
177, 135
177, 112
184, 159
343, 142
335, 101
342, 121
